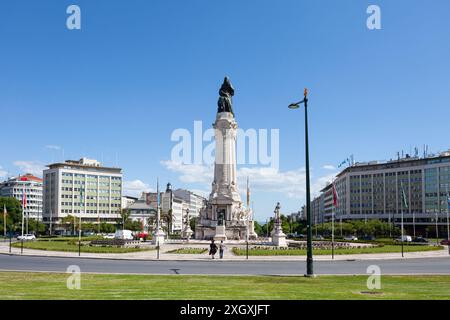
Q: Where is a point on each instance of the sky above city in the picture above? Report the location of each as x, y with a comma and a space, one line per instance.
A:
137, 71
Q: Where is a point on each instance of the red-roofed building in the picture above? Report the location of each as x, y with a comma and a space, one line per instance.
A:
33, 186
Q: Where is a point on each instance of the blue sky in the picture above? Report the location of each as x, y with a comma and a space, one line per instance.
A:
116, 89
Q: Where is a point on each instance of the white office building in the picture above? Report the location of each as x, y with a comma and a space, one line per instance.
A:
83, 188
15, 187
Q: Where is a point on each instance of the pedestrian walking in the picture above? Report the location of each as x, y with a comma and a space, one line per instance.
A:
212, 249
222, 248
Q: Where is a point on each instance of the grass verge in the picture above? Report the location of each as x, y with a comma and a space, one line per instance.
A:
42, 286
189, 251
362, 250
72, 246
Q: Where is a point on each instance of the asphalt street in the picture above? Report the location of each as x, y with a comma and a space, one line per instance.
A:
217, 267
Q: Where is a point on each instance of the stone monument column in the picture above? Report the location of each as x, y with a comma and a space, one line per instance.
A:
278, 236
224, 216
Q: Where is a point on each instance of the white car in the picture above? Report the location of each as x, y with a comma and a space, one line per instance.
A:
405, 239
27, 237
124, 234
109, 236
350, 238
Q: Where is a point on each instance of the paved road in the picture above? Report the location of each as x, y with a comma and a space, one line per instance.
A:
54, 264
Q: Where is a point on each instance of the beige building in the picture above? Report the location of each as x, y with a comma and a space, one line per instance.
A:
82, 187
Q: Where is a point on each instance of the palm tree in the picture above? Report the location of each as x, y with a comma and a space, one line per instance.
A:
167, 217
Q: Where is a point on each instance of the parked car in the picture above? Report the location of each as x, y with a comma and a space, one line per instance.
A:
368, 238
124, 234
350, 238
27, 237
141, 235
420, 240
445, 242
109, 236
301, 236
319, 237
404, 239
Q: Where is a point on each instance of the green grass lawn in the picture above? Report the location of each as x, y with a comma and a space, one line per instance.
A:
189, 251
72, 246
16, 285
300, 252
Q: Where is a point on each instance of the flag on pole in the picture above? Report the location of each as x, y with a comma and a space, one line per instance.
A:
335, 196
342, 163
4, 218
24, 199
405, 202
248, 194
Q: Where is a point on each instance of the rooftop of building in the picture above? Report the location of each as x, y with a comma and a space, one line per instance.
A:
25, 177
140, 205
406, 161
83, 163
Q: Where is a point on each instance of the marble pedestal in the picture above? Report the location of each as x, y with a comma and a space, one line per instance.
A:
159, 237
220, 234
278, 237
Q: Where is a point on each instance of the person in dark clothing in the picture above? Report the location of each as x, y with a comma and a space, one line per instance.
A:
212, 249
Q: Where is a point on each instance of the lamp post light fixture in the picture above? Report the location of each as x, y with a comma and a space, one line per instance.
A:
309, 259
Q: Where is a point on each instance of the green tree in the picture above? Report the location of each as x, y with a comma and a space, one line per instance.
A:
14, 214
192, 223
167, 217
33, 225
107, 227
68, 223
259, 229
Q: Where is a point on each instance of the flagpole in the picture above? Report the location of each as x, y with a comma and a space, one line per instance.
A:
403, 202
23, 207
333, 212
448, 209
4, 219
51, 220
332, 231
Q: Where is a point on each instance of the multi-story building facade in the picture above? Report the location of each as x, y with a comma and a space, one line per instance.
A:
375, 191
83, 188
15, 187
144, 213
195, 201
128, 201
178, 201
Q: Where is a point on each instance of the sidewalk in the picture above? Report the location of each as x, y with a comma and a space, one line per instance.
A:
229, 256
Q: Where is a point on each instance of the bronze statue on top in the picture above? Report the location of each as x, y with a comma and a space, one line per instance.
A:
225, 100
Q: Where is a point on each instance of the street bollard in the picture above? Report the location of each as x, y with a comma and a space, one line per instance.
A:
157, 248
247, 250
21, 246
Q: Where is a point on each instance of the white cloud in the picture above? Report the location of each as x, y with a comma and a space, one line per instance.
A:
191, 173
33, 167
53, 147
329, 167
135, 188
291, 183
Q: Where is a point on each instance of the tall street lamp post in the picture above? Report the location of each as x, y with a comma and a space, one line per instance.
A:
309, 259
